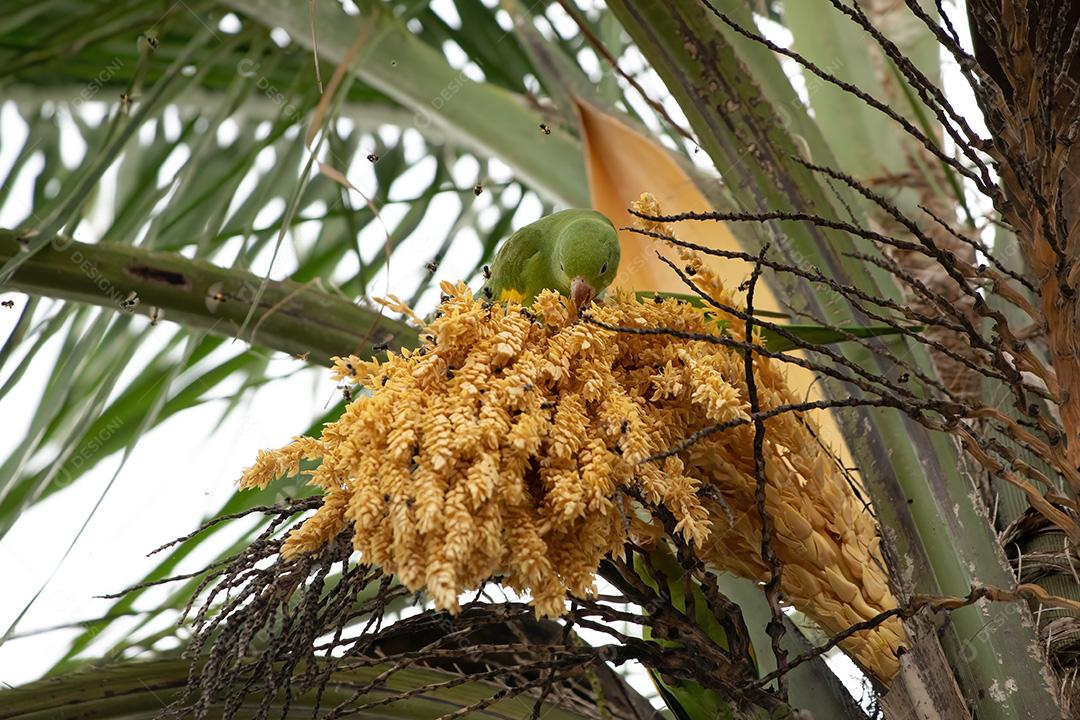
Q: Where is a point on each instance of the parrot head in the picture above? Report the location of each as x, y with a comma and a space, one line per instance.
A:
587, 251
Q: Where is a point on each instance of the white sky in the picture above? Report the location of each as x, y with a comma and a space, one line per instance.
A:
182, 472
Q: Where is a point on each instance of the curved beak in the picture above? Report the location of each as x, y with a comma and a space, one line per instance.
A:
581, 292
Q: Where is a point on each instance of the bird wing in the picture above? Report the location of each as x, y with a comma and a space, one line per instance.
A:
516, 269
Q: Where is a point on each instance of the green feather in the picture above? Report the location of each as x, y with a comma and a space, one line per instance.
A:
549, 253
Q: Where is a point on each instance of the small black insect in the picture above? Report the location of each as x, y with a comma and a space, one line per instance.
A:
379, 347
487, 272
545, 129
372, 158
383, 380
657, 299
130, 301
690, 270
431, 338
346, 392
526, 313
478, 189
8, 303
547, 404
152, 41
486, 292
904, 377
625, 426
432, 266
444, 297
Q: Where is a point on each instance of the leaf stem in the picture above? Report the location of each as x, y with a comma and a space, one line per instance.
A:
295, 318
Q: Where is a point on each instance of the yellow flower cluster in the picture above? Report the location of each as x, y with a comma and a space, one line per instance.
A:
501, 447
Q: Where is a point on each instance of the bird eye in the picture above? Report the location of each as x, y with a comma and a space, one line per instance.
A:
603, 268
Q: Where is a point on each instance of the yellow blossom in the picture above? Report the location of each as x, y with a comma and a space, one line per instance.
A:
503, 447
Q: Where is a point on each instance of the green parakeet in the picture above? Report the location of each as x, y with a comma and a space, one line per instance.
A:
574, 252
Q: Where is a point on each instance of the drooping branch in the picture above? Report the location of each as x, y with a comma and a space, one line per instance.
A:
1030, 53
